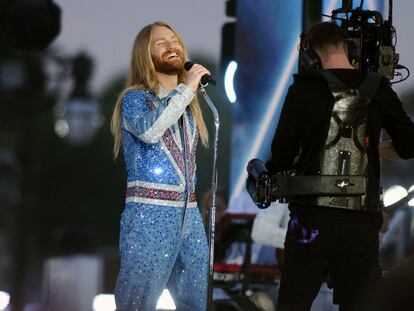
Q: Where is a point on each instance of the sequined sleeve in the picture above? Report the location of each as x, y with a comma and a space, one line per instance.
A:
147, 124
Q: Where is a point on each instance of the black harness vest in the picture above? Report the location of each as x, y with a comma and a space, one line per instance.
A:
344, 154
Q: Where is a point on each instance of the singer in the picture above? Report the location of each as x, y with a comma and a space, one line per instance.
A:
157, 120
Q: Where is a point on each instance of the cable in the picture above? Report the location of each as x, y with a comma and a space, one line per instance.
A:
399, 74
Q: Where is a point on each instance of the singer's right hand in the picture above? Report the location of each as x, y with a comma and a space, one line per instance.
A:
194, 76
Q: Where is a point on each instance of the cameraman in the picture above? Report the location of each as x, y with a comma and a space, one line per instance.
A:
335, 238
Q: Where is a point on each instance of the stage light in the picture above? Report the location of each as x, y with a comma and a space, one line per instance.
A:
104, 302
229, 81
165, 302
4, 300
394, 194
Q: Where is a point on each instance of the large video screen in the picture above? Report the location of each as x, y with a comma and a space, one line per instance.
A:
267, 37
373, 5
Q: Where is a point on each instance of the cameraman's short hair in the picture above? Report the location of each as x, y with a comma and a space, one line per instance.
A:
325, 35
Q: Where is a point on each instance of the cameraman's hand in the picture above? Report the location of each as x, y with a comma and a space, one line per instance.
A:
194, 76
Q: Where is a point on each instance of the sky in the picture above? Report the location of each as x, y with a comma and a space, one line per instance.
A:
105, 29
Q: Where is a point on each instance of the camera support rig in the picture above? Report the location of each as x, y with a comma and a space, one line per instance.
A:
265, 188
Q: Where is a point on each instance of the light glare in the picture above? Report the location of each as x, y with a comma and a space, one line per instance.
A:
4, 300
229, 81
411, 202
394, 194
166, 302
104, 302
158, 170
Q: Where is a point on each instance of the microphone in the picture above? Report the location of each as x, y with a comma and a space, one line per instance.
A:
205, 79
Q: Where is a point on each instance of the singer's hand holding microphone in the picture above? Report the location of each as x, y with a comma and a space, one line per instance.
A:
196, 75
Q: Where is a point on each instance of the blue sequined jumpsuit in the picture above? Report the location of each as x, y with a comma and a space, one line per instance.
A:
159, 245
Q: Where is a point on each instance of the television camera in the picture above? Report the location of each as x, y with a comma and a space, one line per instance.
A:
371, 41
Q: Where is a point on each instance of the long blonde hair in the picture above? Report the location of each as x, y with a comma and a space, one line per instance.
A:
141, 75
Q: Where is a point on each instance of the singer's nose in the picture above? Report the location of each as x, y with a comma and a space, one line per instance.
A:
171, 45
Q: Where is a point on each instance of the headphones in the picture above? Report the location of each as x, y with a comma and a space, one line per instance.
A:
308, 58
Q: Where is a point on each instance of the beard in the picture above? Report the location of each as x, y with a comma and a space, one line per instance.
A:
169, 67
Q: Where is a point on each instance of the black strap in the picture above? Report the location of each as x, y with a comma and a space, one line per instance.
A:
332, 80
368, 88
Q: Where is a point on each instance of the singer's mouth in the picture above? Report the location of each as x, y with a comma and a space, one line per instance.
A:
171, 56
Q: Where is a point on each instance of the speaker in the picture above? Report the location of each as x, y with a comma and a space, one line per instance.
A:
30, 25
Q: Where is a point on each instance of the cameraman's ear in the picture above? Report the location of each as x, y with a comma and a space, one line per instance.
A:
319, 53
